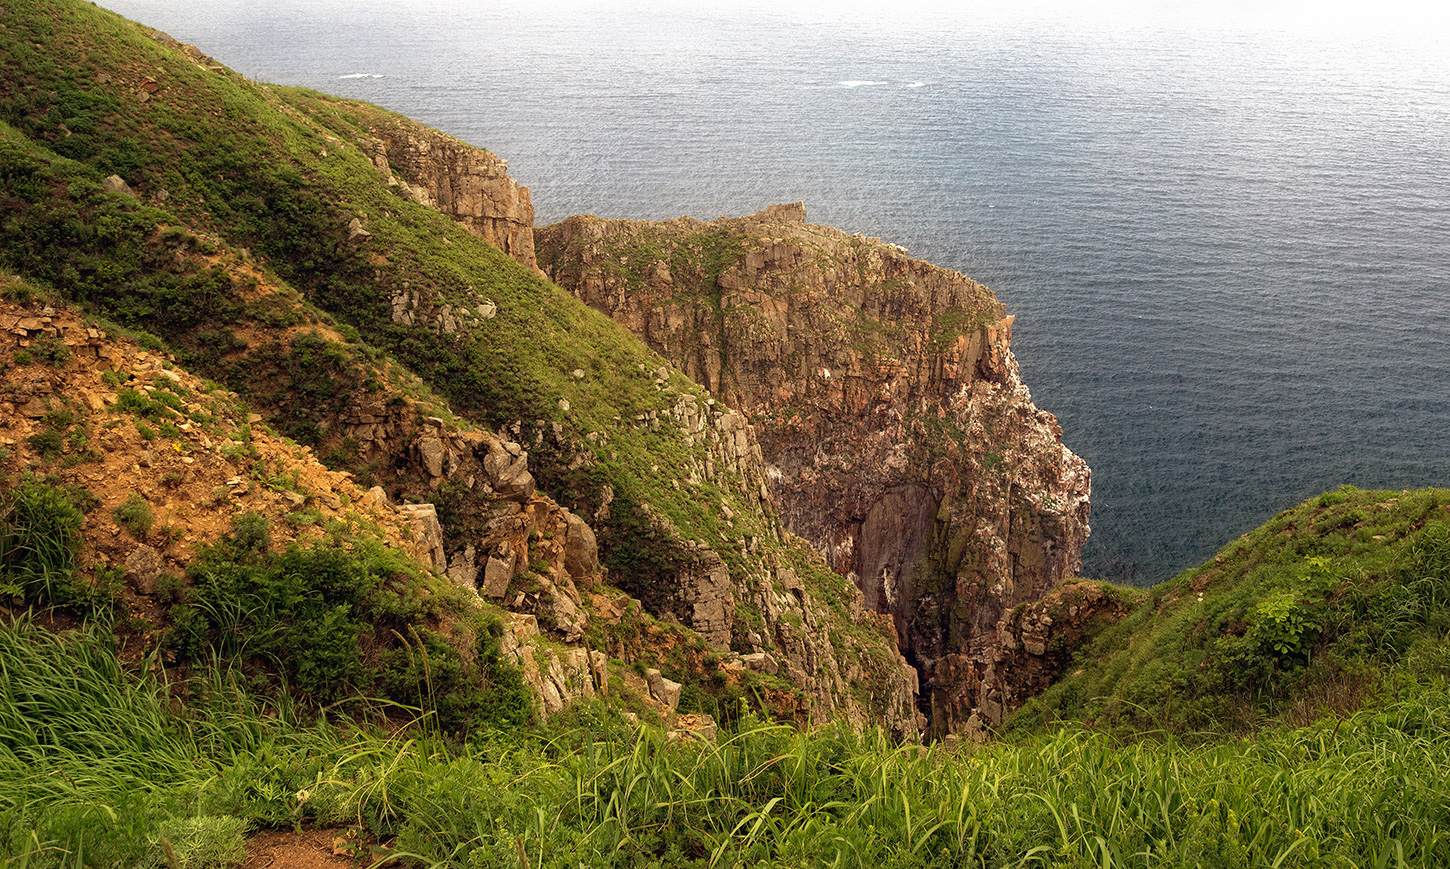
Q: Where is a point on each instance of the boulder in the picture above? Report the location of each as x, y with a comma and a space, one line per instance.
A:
431, 453
761, 662
423, 518
144, 567
569, 620
508, 472
498, 571
114, 184
662, 689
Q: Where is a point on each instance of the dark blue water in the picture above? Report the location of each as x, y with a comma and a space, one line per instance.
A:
1227, 241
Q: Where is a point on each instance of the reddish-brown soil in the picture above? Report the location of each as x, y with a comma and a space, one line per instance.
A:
311, 849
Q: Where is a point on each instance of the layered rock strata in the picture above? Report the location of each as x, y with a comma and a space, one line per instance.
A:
468, 184
897, 435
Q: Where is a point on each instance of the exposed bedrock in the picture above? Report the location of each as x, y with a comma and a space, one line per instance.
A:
469, 184
896, 434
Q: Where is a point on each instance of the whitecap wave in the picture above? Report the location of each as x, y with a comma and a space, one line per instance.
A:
362, 75
916, 84
858, 83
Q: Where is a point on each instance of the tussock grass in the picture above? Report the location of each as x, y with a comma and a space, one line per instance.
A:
96, 764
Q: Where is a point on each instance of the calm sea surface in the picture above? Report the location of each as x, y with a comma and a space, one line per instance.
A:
1227, 241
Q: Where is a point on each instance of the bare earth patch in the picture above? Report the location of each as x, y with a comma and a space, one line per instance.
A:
309, 849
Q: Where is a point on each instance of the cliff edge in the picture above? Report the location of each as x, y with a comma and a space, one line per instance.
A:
897, 434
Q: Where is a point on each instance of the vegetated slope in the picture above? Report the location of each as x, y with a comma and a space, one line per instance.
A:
259, 235
897, 434
131, 491
96, 768
1340, 601
136, 495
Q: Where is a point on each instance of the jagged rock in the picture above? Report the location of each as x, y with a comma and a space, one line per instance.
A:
508, 472
428, 533
447, 324
114, 184
563, 611
403, 304
463, 568
144, 566
418, 194
377, 498
1034, 643
355, 230
662, 689
557, 678
760, 662
431, 452
488, 310
469, 184
498, 571
581, 551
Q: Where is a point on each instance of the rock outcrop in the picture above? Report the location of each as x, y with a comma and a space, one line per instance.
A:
468, 184
896, 433
1034, 642
472, 501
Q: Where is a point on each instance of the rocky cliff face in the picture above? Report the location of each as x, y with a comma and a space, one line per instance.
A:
1034, 642
897, 435
468, 184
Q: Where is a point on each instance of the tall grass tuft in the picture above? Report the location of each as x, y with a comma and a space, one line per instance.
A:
99, 765
39, 541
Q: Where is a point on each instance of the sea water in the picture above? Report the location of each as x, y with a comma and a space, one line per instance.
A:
1226, 238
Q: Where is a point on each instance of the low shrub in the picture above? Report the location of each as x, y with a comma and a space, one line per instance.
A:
134, 514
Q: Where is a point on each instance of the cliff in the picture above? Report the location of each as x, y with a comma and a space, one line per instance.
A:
468, 184
363, 285
897, 434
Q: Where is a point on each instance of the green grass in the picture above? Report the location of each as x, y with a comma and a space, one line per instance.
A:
1314, 611
134, 514
98, 762
40, 544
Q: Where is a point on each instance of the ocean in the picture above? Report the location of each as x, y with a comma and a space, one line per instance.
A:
1226, 235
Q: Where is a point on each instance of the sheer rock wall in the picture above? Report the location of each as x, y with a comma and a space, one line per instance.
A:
897, 435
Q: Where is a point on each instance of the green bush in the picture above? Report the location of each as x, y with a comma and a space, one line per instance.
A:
202, 842
338, 624
47, 443
134, 514
51, 352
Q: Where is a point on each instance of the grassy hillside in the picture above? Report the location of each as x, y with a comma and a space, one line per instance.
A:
139, 499
232, 248
1340, 601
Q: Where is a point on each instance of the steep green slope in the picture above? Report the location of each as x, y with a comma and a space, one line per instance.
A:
239, 229
1337, 602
